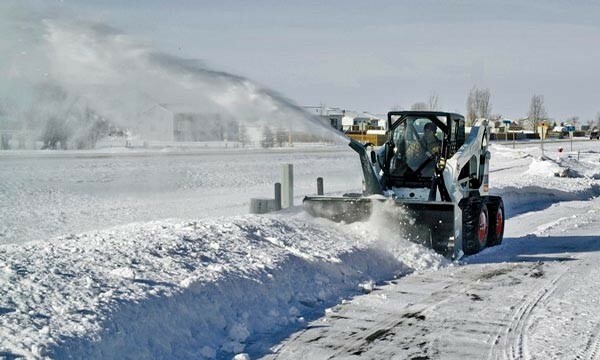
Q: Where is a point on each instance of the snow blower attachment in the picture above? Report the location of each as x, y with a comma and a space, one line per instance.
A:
436, 176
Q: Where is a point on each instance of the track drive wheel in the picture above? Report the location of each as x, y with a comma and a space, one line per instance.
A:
495, 207
475, 225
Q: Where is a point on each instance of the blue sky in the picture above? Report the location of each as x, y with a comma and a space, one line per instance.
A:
378, 54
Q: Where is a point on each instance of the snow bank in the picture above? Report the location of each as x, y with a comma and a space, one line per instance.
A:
587, 166
583, 164
528, 183
547, 168
518, 200
174, 289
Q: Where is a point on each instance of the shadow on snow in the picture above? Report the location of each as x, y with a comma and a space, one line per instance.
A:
533, 248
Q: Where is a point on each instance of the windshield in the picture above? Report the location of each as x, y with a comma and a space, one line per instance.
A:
417, 140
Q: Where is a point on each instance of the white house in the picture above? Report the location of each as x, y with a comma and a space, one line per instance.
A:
176, 122
345, 120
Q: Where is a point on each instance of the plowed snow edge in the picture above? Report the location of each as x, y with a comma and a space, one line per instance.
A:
179, 290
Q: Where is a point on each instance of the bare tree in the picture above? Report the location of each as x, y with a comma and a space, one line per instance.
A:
55, 134
219, 131
4, 137
397, 108
281, 136
590, 123
479, 105
573, 120
243, 137
268, 138
433, 103
537, 112
91, 127
419, 106
231, 130
4, 141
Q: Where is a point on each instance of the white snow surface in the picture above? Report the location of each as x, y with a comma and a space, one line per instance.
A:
217, 287
184, 289
45, 194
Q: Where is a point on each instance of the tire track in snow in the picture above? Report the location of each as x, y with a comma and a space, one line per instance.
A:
591, 351
384, 330
513, 339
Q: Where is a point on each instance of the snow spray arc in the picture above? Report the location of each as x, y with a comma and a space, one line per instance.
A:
98, 70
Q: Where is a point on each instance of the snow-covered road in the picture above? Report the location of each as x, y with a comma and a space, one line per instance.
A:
206, 287
534, 297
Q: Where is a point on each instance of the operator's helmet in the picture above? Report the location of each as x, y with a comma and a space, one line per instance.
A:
431, 126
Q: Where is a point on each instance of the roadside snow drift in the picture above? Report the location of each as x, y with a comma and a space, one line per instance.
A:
529, 182
174, 289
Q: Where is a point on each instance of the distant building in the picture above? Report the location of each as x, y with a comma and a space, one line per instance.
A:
365, 121
347, 120
172, 122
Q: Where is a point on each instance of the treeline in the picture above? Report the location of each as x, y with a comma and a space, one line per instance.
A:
54, 118
281, 137
479, 106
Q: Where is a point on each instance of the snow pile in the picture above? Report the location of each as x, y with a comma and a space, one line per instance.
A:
528, 183
546, 168
585, 164
588, 166
507, 153
174, 289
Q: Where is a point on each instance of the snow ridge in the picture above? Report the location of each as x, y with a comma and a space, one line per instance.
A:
177, 289
518, 200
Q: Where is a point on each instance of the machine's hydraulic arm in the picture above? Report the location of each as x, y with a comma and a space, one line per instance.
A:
372, 185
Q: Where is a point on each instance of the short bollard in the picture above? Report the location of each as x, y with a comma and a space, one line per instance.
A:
277, 196
320, 186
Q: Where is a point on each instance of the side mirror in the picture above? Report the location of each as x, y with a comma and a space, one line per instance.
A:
373, 157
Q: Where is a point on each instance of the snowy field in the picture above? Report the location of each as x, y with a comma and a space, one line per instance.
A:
151, 256
46, 194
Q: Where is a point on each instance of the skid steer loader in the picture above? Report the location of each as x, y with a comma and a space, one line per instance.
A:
432, 171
